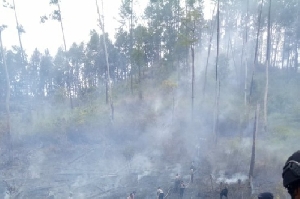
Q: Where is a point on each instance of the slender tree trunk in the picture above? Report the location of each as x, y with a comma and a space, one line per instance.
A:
252, 162
7, 99
66, 62
212, 25
246, 61
186, 36
19, 32
177, 36
297, 36
233, 59
62, 28
267, 70
288, 60
131, 47
101, 24
193, 78
283, 51
255, 53
216, 111
276, 50
218, 40
257, 36
296, 58
140, 79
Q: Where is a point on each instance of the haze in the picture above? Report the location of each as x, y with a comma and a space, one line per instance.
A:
165, 87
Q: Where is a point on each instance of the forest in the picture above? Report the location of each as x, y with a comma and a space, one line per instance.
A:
170, 89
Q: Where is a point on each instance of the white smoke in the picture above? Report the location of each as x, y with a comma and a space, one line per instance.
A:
233, 179
36, 160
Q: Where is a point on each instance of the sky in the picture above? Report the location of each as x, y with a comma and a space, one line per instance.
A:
79, 18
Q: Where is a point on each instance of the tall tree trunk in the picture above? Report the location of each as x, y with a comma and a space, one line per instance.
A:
218, 40
267, 69
255, 53
296, 58
66, 62
101, 25
283, 50
216, 111
177, 36
252, 162
193, 78
186, 36
246, 57
233, 59
212, 26
276, 49
7, 99
140, 79
193, 66
19, 32
131, 46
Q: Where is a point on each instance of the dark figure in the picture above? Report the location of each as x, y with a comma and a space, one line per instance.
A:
177, 183
131, 195
224, 193
182, 187
160, 193
192, 175
291, 175
193, 166
265, 195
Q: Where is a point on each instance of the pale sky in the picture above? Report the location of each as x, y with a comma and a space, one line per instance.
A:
79, 17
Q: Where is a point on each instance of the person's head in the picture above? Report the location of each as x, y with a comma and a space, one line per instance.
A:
265, 195
291, 175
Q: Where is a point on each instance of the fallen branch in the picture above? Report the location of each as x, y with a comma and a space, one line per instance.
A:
81, 156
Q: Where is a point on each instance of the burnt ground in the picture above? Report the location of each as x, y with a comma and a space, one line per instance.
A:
91, 170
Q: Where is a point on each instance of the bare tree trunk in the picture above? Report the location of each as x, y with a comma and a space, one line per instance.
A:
218, 40
65, 51
276, 49
296, 58
7, 99
131, 47
19, 32
216, 113
186, 64
267, 70
233, 59
193, 67
216, 108
193, 78
257, 36
256, 53
212, 25
252, 162
246, 62
101, 24
283, 51
140, 80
